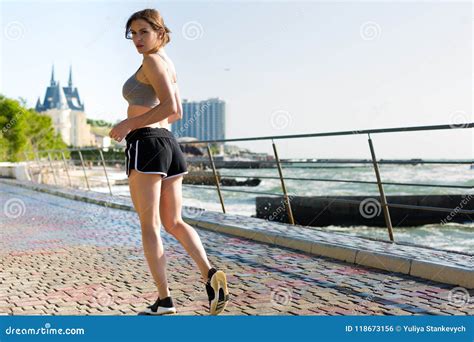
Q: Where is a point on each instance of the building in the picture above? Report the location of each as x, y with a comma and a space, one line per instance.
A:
102, 140
66, 109
203, 120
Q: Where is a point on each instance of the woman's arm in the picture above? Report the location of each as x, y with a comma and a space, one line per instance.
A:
179, 113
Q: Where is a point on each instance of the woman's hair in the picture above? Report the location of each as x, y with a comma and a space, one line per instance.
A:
154, 18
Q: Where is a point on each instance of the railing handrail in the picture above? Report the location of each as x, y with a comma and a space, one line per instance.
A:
353, 181
333, 161
337, 133
307, 135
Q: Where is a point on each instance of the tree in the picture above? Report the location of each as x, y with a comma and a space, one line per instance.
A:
24, 130
99, 123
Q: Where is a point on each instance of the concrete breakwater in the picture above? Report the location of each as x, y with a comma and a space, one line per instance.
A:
367, 211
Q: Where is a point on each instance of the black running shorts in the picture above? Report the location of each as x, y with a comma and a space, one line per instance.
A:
154, 151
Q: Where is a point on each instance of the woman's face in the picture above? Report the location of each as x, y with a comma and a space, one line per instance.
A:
143, 36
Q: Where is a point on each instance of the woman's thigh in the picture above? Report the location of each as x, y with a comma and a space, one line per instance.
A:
145, 191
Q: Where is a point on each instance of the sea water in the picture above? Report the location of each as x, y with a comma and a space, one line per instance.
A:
452, 236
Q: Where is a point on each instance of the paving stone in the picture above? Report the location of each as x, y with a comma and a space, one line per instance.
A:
66, 257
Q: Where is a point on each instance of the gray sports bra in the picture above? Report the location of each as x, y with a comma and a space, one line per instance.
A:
139, 93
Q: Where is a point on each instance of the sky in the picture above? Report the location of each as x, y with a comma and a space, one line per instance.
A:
282, 67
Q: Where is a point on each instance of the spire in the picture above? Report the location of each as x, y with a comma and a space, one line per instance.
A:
53, 83
70, 76
62, 101
38, 105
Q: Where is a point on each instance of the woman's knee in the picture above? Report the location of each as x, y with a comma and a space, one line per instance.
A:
172, 225
151, 231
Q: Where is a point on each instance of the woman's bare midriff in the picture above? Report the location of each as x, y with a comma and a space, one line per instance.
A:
137, 110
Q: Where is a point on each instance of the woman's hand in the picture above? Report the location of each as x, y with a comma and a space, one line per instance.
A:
120, 130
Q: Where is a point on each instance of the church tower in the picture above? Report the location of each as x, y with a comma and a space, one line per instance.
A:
65, 107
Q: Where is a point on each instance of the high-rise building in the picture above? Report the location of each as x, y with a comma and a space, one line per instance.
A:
203, 120
66, 109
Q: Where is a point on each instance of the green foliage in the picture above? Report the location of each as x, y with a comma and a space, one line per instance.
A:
215, 149
24, 130
99, 123
111, 155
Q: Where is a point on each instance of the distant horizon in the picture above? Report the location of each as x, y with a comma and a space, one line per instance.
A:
293, 68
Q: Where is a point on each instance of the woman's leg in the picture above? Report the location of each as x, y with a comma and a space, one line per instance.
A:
145, 190
170, 213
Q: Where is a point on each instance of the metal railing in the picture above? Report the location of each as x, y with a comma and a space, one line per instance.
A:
278, 163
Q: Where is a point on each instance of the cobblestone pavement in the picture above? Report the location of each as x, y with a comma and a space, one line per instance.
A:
66, 257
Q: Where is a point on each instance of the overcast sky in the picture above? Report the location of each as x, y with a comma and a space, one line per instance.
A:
282, 67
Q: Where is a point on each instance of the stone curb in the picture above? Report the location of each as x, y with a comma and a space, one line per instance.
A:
442, 273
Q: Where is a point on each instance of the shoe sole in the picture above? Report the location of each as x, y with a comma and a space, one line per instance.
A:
151, 313
219, 281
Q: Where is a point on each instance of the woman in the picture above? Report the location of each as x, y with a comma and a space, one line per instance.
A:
155, 163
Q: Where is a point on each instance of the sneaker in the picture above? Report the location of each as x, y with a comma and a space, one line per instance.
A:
217, 283
161, 307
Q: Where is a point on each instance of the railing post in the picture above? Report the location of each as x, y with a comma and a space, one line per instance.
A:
40, 165
52, 169
30, 174
105, 171
84, 169
211, 159
285, 194
67, 170
386, 212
